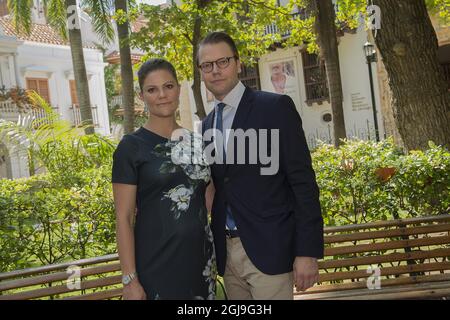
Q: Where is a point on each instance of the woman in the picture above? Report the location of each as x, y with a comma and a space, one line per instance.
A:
164, 240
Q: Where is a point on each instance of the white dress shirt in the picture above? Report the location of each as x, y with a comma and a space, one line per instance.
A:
231, 100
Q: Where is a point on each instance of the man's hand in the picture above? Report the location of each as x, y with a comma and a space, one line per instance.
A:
306, 272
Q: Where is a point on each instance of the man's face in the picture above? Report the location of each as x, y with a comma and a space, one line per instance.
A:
219, 81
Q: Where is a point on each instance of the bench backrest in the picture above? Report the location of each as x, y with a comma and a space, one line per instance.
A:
395, 252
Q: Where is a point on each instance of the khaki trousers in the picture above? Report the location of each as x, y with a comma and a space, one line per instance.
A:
243, 281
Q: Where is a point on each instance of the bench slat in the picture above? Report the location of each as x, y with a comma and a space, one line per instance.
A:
59, 276
383, 282
398, 244
437, 266
387, 233
45, 292
59, 266
400, 292
102, 295
392, 257
387, 223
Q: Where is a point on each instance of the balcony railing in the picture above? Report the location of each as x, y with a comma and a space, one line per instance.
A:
273, 28
11, 111
116, 101
76, 115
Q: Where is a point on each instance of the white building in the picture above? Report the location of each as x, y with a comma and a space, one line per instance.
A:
42, 62
304, 80
308, 89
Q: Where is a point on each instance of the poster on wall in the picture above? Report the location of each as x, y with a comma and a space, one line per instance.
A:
282, 78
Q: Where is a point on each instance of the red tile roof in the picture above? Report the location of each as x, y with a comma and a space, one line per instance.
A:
114, 57
41, 33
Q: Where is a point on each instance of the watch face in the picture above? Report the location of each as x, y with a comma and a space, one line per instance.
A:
126, 279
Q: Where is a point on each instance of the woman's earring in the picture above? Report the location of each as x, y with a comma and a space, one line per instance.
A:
145, 107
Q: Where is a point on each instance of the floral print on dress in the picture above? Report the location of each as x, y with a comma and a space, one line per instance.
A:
210, 271
185, 154
181, 198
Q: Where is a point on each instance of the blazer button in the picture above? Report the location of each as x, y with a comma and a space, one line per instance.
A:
226, 180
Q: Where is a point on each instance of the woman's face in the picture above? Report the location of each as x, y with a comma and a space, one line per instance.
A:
277, 69
161, 93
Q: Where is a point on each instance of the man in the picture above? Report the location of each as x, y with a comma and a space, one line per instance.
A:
268, 229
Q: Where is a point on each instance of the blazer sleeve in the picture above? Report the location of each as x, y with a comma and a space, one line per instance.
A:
295, 161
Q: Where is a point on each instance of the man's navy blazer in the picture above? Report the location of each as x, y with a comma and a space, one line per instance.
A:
278, 216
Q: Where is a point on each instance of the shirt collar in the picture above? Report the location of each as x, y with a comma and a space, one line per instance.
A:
233, 98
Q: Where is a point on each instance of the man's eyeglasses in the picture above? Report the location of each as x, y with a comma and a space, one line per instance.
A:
221, 63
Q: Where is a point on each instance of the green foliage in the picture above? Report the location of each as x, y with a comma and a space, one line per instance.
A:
349, 11
101, 12
365, 181
52, 217
20, 11
441, 8
65, 213
112, 81
169, 33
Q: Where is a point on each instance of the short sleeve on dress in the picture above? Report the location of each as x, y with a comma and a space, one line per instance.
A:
125, 161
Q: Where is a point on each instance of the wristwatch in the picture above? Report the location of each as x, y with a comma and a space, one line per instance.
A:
127, 278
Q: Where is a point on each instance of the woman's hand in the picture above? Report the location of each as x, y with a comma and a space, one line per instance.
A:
134, 291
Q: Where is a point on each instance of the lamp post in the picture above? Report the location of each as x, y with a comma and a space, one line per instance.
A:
371, 56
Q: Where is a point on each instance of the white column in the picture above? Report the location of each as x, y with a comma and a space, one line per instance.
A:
2, 81
12, 75
16, 70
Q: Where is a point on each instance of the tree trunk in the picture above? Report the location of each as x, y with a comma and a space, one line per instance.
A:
79, 70
326, 31
196, 86
420, 98
126, 71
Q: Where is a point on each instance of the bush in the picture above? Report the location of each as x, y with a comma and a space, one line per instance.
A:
365, 181
45, 222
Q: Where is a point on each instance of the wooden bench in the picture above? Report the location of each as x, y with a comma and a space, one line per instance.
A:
412, 254
413, 257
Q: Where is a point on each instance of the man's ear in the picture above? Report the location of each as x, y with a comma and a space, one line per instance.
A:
239, 66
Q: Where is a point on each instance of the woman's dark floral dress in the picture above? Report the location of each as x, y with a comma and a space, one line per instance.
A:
173, 242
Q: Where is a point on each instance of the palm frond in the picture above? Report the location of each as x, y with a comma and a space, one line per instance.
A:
20, 11
57, 16
101, 13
